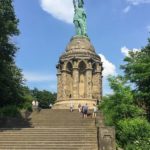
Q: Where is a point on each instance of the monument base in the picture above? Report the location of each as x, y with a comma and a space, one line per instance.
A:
65, 104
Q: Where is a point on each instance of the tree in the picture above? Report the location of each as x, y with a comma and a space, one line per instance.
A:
134, 134
45, 98
137, 71
10, 76
28, 97
120, 104
120, 110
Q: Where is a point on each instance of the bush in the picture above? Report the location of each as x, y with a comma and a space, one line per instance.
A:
134, 134
28, 107
9, 111
120, 110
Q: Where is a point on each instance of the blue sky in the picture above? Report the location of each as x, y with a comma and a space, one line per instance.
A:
114, 27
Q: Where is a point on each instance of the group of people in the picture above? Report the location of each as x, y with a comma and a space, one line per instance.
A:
85, 110
35, 104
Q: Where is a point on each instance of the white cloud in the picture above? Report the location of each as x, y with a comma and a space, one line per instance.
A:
134, 3
125, 50
127, 9
137, 2
60, 9
109, 68
38, 77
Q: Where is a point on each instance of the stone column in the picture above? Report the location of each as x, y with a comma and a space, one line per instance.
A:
64, 87
97, 86
75, 83
59, 87
99, 80
89, 83
75, 76
64, 81
101, 77
101, 85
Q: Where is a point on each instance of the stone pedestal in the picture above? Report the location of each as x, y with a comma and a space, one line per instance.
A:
79, 75
106, 138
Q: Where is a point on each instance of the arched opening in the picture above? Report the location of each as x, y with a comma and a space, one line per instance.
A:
69, 67
82, 71
69, 82
93, 68
82, 67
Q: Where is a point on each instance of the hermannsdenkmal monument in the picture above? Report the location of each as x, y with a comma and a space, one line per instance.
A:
79, 82
79, 70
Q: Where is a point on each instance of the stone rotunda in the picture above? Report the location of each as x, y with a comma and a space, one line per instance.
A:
79, 75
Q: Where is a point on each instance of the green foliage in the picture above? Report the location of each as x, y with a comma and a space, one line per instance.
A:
9, 111
137, 71
45, 98
28, 97
8, 29
28, 107
125, 107
10, 76
134, 134
120, 104
11, 86
120, 110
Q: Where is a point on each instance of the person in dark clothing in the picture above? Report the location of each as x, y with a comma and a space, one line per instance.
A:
85, 110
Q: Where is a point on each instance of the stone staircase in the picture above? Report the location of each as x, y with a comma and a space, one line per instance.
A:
49, 130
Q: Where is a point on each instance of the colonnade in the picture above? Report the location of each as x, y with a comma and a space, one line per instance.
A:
79, 80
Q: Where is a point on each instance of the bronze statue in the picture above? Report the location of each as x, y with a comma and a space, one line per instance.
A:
80, 18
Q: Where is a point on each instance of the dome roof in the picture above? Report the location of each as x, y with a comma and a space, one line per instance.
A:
80, 47
80, 43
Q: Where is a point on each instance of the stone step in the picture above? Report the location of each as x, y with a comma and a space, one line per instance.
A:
62, 119
53, 125
70, 121
54, 148
92, 139
50, 130
46, 142
49, 147
46, 146
58, 125
36, 128
47, 129
52, 133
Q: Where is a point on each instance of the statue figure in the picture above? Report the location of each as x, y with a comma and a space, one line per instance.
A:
80, 18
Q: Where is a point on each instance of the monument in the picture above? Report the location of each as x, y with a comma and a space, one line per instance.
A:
79, 70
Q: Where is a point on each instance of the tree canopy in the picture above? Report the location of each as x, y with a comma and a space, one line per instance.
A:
120, 110
126, 107
120, 104
137, 71
45, 98
11, 79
